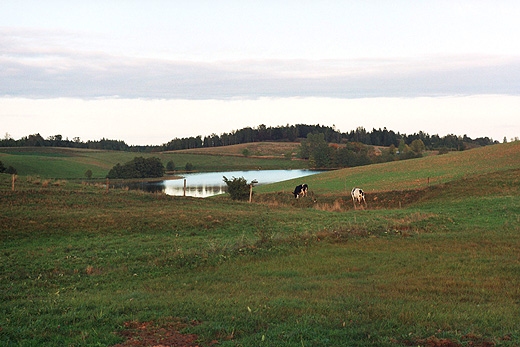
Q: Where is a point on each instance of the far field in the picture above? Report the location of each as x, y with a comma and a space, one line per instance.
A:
432, 261
254, 149
47, 162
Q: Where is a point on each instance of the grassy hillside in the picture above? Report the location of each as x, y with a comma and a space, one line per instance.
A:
255, 149
73, 163
82, 267
411, 174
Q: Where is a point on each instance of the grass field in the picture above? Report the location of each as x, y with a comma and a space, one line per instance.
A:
82, 267
47, 162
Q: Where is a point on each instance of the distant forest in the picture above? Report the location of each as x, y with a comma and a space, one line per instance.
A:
288, 133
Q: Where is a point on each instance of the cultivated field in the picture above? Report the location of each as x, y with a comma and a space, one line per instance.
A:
426, 264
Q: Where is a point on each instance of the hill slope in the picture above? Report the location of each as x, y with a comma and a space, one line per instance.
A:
255, 149
54, 162
411, 174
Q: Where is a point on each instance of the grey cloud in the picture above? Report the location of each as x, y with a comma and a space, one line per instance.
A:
48, 73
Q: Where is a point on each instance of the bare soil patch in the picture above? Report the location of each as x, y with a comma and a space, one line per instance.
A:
150, 334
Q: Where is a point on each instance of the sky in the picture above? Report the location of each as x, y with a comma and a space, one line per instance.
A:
147, 72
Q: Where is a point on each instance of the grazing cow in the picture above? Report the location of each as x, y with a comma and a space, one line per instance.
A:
358, 195
301, 190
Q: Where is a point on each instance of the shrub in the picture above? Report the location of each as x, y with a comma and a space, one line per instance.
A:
238, 188
443, 150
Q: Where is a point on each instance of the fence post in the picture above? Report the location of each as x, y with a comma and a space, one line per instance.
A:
253, 182
107, 184
13, 180
184, 191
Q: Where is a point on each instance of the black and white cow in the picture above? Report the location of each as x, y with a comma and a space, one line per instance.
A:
301, 190
358, 195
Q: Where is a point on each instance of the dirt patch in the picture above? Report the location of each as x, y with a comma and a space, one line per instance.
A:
150, 334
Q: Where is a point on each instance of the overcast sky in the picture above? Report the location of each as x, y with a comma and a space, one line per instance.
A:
148, 71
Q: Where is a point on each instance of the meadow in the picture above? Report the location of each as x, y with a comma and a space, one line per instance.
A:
70, 163
432, 261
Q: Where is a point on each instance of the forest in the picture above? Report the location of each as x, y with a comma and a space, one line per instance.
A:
289, 133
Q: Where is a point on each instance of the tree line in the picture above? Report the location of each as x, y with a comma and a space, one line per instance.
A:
36, 140
290, 133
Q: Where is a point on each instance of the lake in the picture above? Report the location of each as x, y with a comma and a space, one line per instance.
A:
206, 184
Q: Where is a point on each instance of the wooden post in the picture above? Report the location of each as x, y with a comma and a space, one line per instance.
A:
184, 193
107, 184
253, 182
13, 180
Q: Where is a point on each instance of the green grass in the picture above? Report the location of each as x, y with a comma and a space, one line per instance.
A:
76, 263
70, 163
412, 174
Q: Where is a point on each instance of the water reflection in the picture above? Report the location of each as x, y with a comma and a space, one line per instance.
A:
195, 191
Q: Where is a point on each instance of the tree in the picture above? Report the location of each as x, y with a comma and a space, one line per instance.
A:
238, 188
316, 149
401, 147
88, 174
417, 146
188, 167
389, 154
170, 166
139, 167
35, 140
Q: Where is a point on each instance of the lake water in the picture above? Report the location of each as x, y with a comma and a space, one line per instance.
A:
206, 184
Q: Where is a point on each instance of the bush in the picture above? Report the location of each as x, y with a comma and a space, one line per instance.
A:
443, 150
11, 170
238, 188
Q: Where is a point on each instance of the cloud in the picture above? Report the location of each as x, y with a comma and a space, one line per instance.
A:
37, 65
